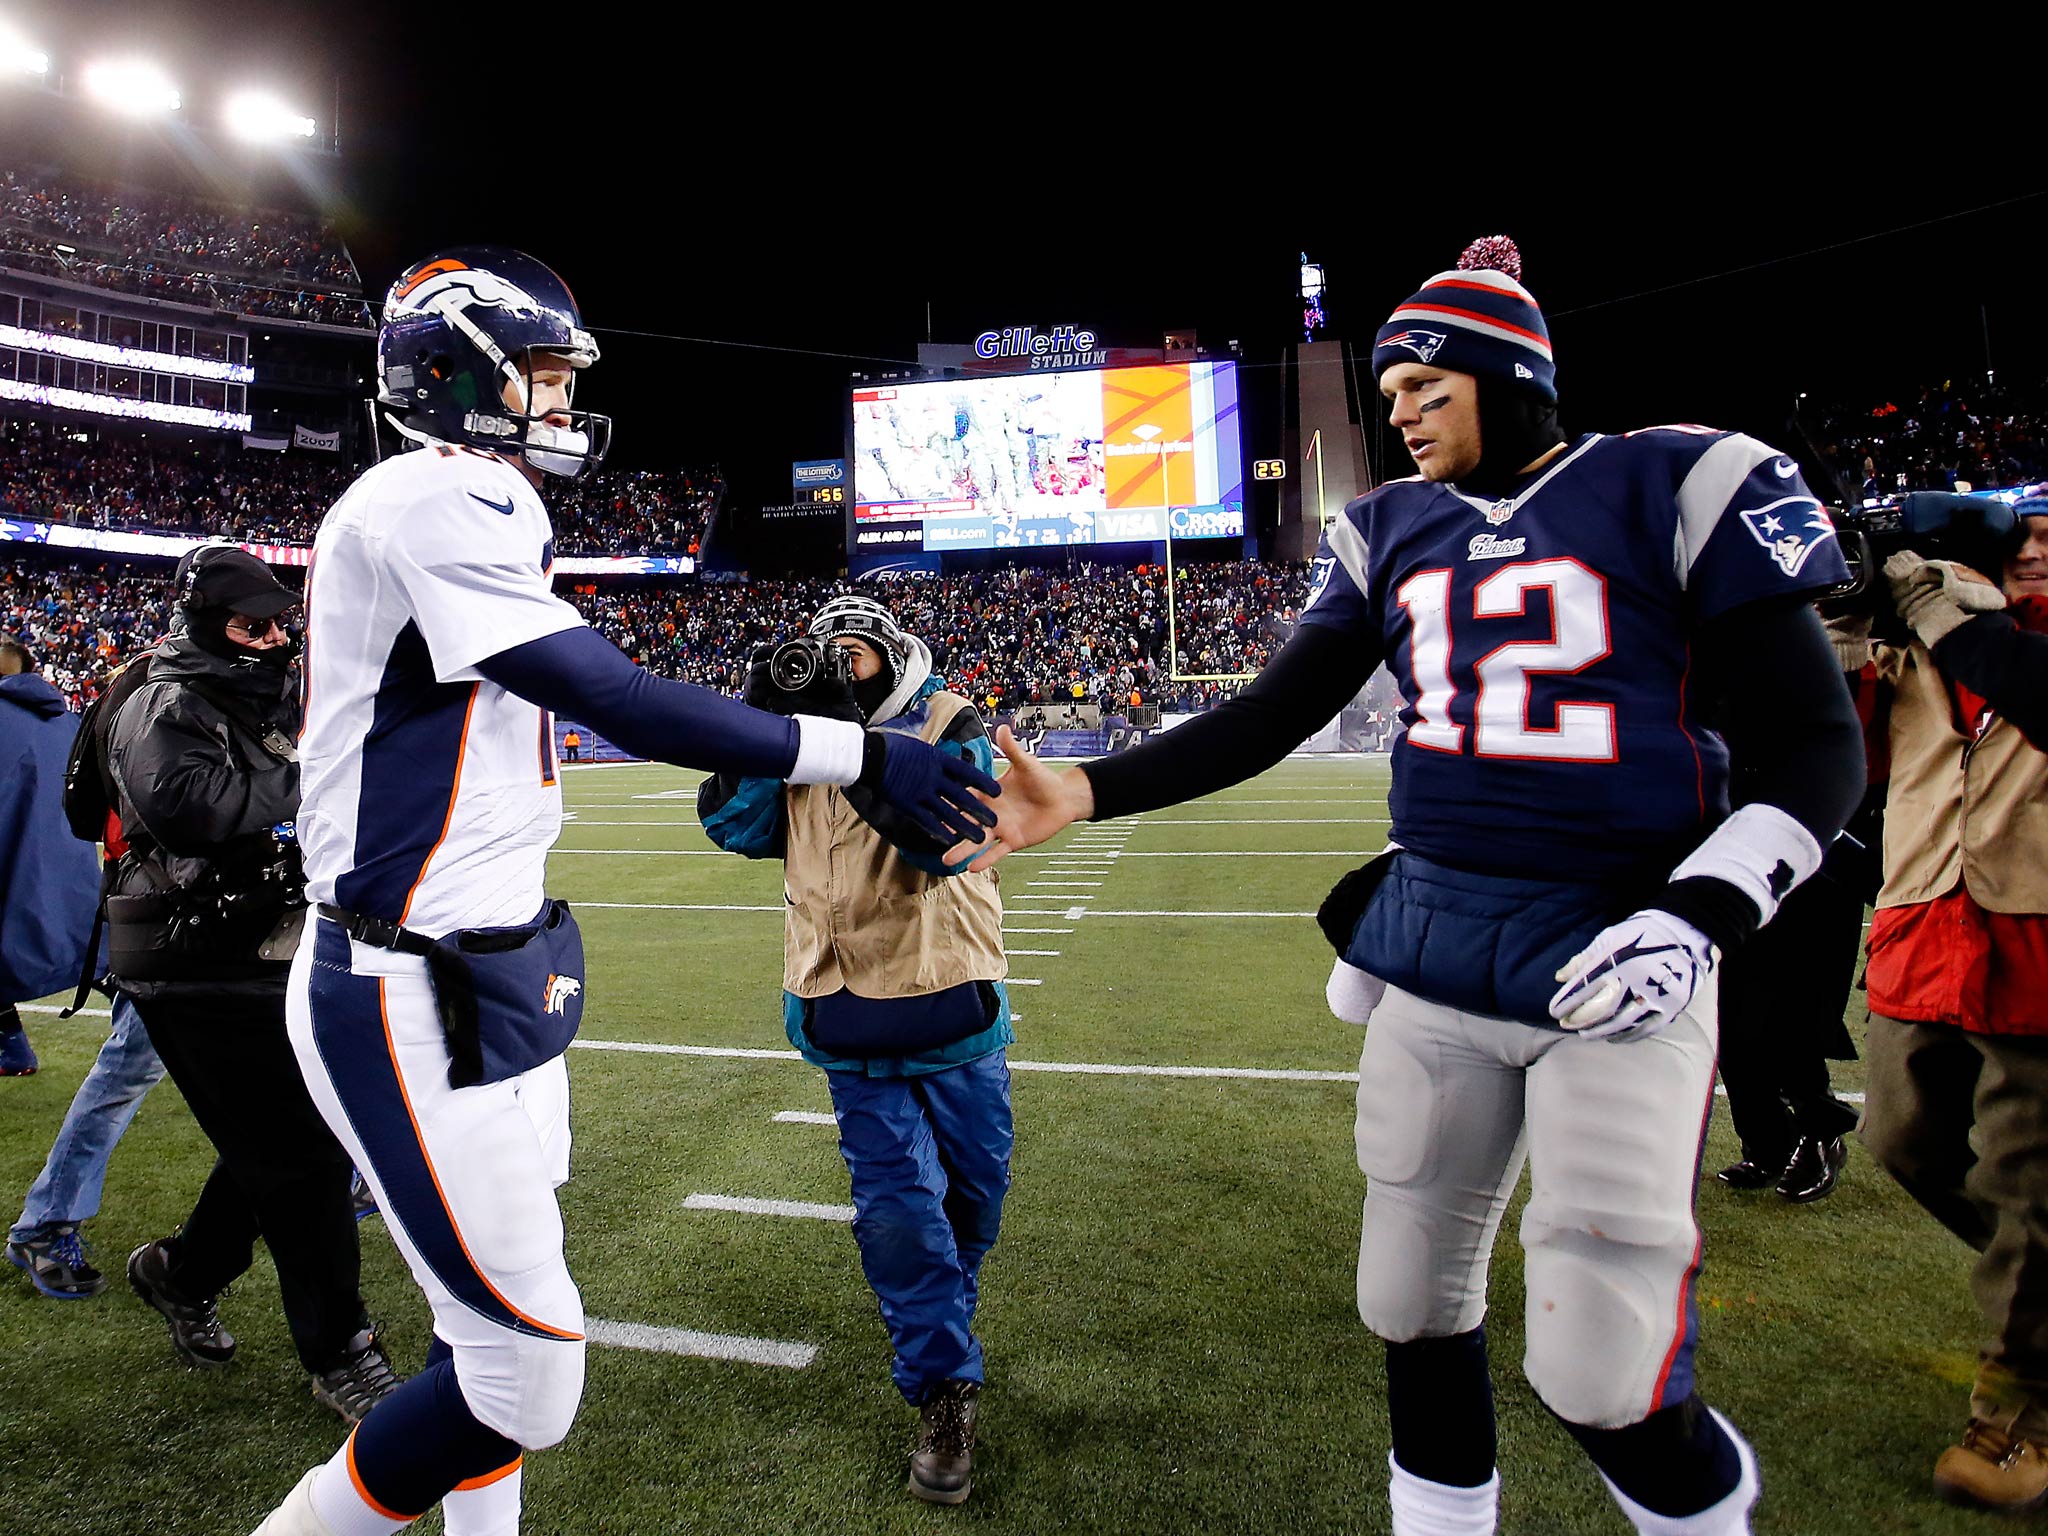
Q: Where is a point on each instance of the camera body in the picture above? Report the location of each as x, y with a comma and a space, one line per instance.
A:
795, 664
1981, 532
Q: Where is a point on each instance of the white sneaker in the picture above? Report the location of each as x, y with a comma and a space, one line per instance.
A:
296, 1515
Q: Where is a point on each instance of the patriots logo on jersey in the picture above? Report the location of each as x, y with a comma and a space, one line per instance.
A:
1423, 344
1320, 579
560, 990
1791, 528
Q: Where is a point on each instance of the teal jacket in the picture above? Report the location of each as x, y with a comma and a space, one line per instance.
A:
745, 816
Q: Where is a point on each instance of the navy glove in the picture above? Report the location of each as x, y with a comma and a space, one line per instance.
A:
932, 788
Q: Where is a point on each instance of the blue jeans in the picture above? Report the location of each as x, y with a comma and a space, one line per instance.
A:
930, 1160
67, 1192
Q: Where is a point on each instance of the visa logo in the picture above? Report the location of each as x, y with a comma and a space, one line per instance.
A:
1117, 526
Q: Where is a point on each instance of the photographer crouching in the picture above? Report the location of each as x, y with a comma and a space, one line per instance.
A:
204, 915
892, 983
1958, 974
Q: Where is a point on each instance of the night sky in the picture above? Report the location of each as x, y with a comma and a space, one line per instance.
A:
813, 193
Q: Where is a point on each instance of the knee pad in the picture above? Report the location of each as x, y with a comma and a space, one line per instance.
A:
525, 1389
1610, 1325
1405, 1288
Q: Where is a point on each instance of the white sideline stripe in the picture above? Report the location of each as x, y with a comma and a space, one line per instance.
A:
704, 1346
741, 1205
1063, 882
804, 1117
96, 1013
1038, 930
1031, 952
1050, 896
1070, 1068
1024, 981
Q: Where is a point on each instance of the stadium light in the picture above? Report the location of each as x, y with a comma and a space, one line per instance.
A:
259, 117
18, 57
133, 87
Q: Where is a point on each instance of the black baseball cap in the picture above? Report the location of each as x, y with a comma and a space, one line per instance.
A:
217, 576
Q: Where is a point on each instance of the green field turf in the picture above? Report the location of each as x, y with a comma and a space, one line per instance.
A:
1168, 1318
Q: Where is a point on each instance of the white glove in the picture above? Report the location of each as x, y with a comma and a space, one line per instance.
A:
1351, 993
1634, 978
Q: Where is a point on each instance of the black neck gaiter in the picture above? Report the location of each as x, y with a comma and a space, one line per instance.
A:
1515, 427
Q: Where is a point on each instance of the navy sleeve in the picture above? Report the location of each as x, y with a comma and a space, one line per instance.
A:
578, 673
1794, 742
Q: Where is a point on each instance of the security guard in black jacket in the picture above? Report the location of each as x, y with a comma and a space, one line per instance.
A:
203, 916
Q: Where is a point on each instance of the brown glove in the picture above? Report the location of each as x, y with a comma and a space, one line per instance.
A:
1935, 596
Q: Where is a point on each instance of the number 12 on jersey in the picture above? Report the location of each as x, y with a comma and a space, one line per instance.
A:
1584, 733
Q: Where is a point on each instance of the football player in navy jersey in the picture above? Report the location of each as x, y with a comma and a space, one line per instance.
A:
1584, 630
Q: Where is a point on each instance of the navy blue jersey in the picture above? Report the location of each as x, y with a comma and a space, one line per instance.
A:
1543, 643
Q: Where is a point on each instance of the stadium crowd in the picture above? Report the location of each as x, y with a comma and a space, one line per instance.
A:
252, 261
1977, 431
1007, 638
156, 481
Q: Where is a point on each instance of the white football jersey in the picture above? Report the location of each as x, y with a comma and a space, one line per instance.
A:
428, 795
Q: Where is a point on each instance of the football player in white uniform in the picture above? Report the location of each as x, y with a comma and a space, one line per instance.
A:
437, 989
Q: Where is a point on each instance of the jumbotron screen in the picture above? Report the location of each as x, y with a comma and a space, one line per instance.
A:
1105, 456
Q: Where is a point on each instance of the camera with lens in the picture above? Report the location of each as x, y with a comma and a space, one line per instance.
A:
1981, 532
796, 664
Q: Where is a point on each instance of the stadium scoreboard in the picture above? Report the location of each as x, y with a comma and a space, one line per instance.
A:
1121, 455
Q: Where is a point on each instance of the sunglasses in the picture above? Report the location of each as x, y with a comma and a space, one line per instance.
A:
255, 629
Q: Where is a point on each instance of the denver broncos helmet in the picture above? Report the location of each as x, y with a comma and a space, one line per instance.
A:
461, 326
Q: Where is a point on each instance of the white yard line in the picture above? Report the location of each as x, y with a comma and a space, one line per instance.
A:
1025, 981
803, 1117
1050, 952
1069, 1068
702, 1346
1063, 882
92, 1013
1038, 930
803, 1210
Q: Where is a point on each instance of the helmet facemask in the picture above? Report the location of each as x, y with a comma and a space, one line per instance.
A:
571, 451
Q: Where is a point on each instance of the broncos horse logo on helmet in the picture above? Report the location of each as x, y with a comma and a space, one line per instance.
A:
459, 328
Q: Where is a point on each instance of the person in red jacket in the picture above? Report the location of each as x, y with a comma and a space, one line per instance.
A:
1958, 974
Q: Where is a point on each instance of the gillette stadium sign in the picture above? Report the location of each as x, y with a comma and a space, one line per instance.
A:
1061, 347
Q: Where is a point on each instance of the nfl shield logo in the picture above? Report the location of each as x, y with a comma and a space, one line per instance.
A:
1498, 513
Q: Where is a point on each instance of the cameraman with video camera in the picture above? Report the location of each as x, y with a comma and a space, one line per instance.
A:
1958, 974
892, 983
204, 914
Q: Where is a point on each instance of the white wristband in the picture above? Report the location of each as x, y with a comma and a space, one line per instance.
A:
1761, 851
827, 751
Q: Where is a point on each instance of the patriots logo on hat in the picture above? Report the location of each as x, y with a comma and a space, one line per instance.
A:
1423, 344
1791, 528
